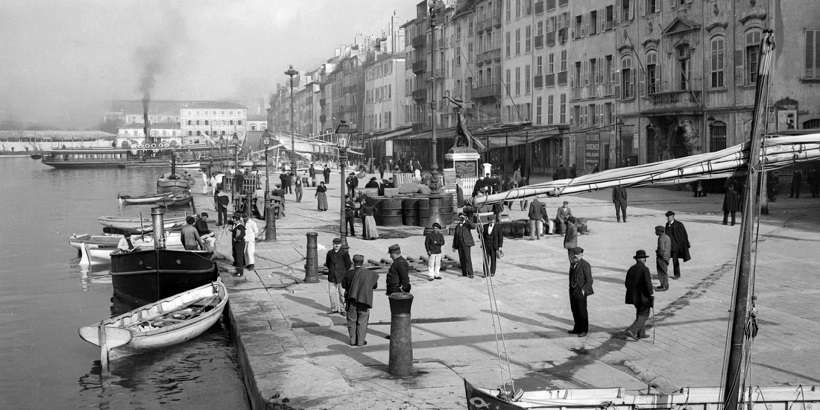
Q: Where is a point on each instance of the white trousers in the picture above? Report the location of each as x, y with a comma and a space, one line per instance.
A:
434, 265
250, 249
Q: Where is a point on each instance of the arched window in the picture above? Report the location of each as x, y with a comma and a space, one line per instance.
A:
684, 54
717, 136
651, 72
717, 61
752, 55
627, 78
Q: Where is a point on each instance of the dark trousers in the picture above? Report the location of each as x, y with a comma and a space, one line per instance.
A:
578, 304
327, 179
620, 209
795, 191
726, 216
675, 267
465, 259
357, 317
239, 256
298, 193
351, 191
663, 272
492, 255
638, 327
221, 216
351, 228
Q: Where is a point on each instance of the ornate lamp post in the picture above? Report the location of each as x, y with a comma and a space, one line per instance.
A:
235, 142
266, 140
270, 221
290, 73
342, 132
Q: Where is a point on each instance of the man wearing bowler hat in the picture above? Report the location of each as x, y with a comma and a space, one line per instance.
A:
680, 242
398, 277
580, 286
639, 294
337, 262
462, 242
359, 284
433, 241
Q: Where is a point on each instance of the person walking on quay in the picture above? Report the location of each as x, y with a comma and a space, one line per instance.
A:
570, 237
371, 231
312, 175
797, 180
561, 216
221, 201
251, 232
731, 202
398, 276
321, 196
580, 287
352, 183
492, 239
358, 284
462, 242
298, 188
238, 241
381, 170
639, 294
537, 214
433, 241
190, 237
337, 262
350, 216
662, 255
326, 174
680, 242
619, 199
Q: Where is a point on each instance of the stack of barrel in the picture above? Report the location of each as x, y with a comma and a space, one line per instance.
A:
413, 210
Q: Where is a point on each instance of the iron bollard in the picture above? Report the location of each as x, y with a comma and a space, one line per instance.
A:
270, 221
401, 349
312, 258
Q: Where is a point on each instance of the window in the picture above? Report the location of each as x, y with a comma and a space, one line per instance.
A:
539, 31
469, 52
579, 20
592, 115
653, 6
752, 55
508, 10
507, 82
507, 44
608, 113
527, 79
198, 133
189, 122
550, 108
538, 106
593, 22
518, 41
717, 62
528, 39
576, 80
517, 8
563, 60
458, 56
528, 111
593, 71
626, 78
652, 72
563, 108
683, 67
812, 54
550, 63
517, 81
717, 136
625, 10
528, 9
610, 17
576, 115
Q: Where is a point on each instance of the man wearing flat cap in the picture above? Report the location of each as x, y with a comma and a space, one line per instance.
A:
337, 262
662, 255
680, 242
580, 286
433, 241
398, 277
359, 284
639, 294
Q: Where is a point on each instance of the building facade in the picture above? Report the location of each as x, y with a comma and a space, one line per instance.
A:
384, 93
206, 121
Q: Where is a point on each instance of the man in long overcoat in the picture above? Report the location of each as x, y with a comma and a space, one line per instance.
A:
639, 294
619, 199
537, 214
398, 276
580, 286
492, 239
680, 242
731, 203
462, 242
359, 284
337, 262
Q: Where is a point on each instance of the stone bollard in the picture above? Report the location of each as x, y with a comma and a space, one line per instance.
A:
312, 259
270, 221
401, 349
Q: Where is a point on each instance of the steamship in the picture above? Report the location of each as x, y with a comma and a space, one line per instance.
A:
135, 157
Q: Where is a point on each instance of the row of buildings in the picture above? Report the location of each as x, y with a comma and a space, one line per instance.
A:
589, 83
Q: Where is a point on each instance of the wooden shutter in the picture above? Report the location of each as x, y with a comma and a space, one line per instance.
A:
739, 72
616, 81
601, 20
618, 5
641, 83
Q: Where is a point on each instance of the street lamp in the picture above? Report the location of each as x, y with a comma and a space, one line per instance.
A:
235, 142
342, 132
270, 221
290, 73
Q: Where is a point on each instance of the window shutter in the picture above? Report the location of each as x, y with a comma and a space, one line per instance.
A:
601, 20
585, 73
739, 66
616, 79
642, 82
632, 7
634, 78
618, 6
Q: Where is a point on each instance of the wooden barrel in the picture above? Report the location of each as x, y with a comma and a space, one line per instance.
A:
391, 211
376, 202
423, 205
410, 214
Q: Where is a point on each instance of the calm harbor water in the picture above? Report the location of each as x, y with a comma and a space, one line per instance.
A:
45, 297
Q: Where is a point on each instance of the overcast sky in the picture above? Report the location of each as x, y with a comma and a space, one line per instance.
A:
62, 60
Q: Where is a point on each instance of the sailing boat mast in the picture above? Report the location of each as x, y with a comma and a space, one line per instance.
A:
741, 305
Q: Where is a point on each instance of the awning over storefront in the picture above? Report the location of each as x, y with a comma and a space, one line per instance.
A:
391, 134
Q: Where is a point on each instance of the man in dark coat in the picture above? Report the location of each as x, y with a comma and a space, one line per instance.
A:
350, 216
797, 180
537, 215
619, 199
398, 276
358, 284
639, 294
326, 174
561, 216
337, 262
731, 203
352, 183
462, 242
372, 183
238, 244
580, 286
433, 241
312, 175
221, 199
680, 242
492, 239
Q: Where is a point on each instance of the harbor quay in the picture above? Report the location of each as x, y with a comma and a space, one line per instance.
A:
295, 354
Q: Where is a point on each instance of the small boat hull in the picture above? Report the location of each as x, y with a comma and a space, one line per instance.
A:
166, 199
173, 185
94, 241
95, 256
144, 276
134, 226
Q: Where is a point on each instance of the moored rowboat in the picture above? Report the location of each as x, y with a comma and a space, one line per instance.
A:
163, 199
94, 240
135, 225
166, 322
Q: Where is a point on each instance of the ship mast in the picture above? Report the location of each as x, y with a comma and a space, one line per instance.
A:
742, 320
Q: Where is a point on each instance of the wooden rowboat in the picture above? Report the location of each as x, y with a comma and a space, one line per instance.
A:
91, 255
164, 323
94, 240
190, 165
163, 199
135, 225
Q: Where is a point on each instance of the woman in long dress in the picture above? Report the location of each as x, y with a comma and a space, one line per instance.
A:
369, 222
321, 196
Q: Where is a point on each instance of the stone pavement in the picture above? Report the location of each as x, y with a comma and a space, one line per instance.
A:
296, 354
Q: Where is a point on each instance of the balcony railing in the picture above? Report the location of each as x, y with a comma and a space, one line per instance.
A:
609, 89
420, 94
480, 25
487, 91
678, 99
549, 80
419, 41
419, 66
550, 39
562, 78
539, 41
538, 81
539, 6
489, 55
